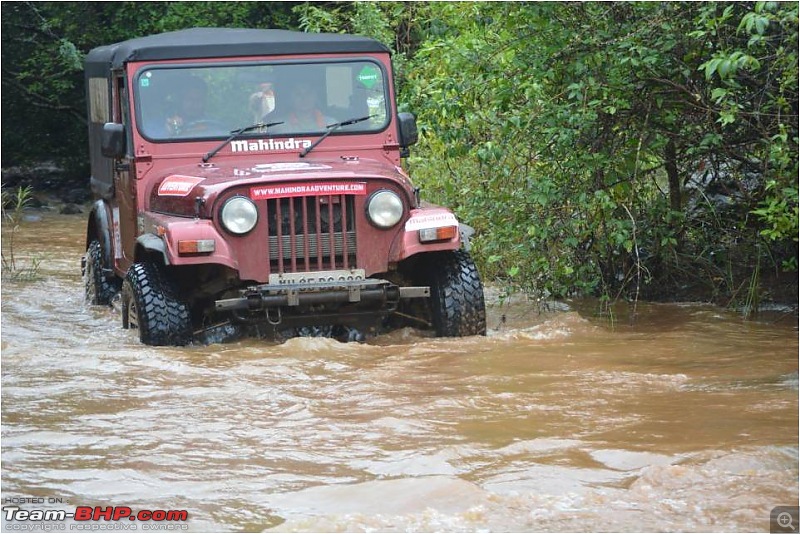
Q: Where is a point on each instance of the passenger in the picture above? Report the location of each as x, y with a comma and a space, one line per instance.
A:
262, 102
304, 114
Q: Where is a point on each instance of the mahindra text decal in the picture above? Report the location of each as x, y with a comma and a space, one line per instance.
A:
265, 145
300, 190
178, 185
436, 220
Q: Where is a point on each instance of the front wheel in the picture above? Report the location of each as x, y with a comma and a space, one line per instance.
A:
456, 301
150, 306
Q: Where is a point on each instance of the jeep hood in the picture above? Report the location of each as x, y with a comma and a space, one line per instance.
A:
180, 189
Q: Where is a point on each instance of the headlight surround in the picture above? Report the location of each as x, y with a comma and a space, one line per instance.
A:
384, 208
239, 215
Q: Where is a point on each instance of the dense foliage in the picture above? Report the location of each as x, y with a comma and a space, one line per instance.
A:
616, 149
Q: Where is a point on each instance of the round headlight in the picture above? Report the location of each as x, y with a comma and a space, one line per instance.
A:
239, 215
384, 208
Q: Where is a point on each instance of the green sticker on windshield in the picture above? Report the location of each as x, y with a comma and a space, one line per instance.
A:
368, 76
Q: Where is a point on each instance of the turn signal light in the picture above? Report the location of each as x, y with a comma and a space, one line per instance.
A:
443, 233
196, 246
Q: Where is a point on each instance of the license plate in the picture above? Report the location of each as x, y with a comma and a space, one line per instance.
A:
317, 277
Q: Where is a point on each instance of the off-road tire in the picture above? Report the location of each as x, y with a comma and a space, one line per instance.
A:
149, 305
456, 302
99, 289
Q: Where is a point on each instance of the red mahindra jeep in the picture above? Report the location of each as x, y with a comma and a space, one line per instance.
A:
249, 182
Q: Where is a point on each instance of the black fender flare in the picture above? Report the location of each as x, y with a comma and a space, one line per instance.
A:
100, 228
150, 243
466, 232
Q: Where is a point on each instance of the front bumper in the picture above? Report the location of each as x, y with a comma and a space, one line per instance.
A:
370, 292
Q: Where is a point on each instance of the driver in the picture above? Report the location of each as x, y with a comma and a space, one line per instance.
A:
190, 117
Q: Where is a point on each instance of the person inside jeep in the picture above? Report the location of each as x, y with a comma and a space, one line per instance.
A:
190, 116
304, 113
262, 102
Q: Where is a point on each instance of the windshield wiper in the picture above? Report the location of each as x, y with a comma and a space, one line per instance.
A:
332, 128
235, 134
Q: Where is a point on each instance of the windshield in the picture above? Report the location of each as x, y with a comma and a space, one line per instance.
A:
209, 101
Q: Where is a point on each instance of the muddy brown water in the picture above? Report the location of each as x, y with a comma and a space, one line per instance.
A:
687, 420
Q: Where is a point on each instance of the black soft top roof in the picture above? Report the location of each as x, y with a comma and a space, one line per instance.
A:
198, 43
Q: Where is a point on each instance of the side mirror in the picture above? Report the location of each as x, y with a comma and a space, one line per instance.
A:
113, 144
408, 129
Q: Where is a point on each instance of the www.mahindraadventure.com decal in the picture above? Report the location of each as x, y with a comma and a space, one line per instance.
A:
301, 190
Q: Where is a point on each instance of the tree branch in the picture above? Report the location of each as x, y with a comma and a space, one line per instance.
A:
38, 100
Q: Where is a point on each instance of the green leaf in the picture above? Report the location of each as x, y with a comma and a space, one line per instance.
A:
711, 67
725, 67
727, 117
718, 94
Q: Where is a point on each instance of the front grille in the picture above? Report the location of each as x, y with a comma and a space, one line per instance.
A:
311, 233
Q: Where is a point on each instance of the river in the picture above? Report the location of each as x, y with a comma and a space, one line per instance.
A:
560, 421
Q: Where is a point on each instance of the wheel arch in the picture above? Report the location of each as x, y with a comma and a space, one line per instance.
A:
99, 228
150, 247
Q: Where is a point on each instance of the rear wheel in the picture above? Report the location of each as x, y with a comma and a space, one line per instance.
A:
99, 289
456, 301
149, 305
